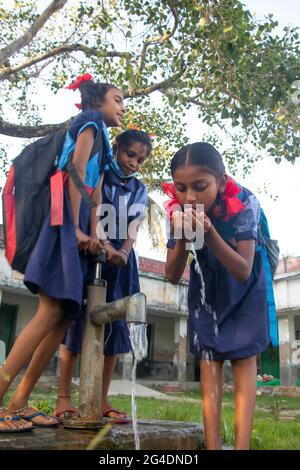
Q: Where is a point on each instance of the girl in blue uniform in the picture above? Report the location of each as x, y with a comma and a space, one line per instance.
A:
57, 267
229, 319
120, 271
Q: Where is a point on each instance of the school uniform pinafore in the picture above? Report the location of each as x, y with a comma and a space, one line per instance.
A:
121, 281
234, 323
56, 267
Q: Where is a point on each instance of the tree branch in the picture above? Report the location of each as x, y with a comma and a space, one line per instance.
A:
194, 100
168, 83
14, 130
67, 48
159, 39
27, 37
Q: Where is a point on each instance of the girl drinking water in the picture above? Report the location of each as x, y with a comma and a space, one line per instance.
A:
57, 267
130, 151
229, 320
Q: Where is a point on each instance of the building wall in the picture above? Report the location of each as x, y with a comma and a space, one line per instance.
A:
5, 270
163, 338
27, 307
288, 264
287, 296
287, 292
162, 294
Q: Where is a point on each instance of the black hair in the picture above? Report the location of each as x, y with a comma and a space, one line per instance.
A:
93, 92
202, 154
126, 138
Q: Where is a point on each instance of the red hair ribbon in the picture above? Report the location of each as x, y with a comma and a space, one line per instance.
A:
230, 204
81, 78
172, 205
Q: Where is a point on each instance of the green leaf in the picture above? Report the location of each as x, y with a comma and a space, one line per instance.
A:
227, 29
202, 21
233, 66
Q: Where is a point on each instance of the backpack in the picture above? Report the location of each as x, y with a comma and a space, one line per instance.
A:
26, 195
271, 246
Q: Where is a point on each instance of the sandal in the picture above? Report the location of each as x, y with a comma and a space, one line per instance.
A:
29, 414
10, 420
68, 413
123, 419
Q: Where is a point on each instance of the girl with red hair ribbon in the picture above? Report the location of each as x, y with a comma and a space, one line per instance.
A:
57, 268
229, 316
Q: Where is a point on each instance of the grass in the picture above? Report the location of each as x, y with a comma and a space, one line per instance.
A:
269, 433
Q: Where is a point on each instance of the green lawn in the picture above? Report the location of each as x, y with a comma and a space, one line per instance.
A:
269, 432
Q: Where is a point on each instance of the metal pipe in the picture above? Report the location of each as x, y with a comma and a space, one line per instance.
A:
92, 360
132, 308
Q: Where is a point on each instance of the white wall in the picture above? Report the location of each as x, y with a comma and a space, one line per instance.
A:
287, 292
5, 269
161, 293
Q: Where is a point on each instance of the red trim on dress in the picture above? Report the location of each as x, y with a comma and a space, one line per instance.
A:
57, 182
10, 216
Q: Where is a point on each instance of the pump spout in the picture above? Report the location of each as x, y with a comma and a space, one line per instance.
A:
132, 308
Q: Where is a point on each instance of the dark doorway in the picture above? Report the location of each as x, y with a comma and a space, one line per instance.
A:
8, 319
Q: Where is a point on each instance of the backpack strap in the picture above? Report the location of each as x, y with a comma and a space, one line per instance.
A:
71, 169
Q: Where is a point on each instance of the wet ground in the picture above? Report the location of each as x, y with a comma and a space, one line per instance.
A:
154, 435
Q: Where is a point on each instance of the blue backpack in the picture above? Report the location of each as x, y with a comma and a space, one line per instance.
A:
270, 258
271, 246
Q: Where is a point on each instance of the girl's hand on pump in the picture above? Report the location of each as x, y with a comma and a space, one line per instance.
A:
83, 240
94, 246
114, 256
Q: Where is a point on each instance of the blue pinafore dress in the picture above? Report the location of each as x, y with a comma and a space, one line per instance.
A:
121, 281
234, 323
56, 267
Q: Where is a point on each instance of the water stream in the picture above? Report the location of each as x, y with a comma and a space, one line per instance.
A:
207, 356
139, 343
207, 307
